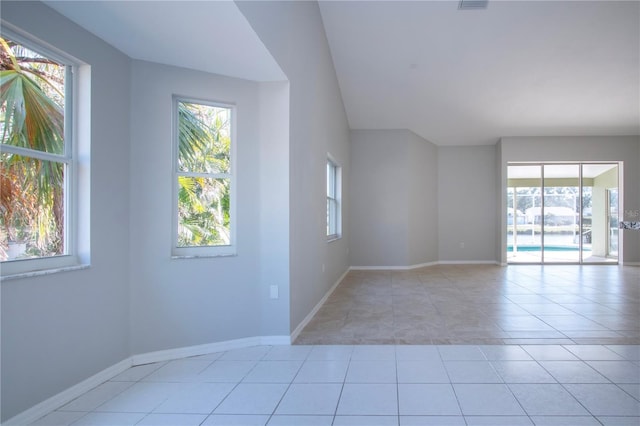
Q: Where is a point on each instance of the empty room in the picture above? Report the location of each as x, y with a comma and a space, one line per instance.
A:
320, 212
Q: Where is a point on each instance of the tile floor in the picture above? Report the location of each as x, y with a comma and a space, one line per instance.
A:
446, 345
482, 304
373, 385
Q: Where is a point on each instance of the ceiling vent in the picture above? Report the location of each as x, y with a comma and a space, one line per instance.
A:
473, 4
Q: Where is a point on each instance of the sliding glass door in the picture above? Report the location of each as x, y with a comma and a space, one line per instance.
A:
562, 213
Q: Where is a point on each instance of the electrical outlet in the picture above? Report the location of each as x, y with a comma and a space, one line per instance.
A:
273, 292
461, 245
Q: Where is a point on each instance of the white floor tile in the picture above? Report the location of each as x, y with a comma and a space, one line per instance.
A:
97, 396
461, 353
618, 371
422, 372
498, 421
505, 353
365, 421
487, 400
300, 421
471, 372
253, 353
417, 353
330, 353
632, 389
593, 353
619, 421
549, 353
368, 399
565, 421
371, 372
142, 397
59, 418
374, 353
156, 419
252, 398
110, 419
522, 372
628, 352
273, 372
196, 398
573, 372
547, 400
227, 371
322, 372
238, 420
310, 399
288, 353
605, 400
432, 421
183, 370
427, 399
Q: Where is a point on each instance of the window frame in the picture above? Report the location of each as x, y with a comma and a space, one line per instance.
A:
334, 194
204, 251
71, 258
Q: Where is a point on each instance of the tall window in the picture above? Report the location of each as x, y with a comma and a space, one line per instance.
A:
334, 218
36, 156
204, 204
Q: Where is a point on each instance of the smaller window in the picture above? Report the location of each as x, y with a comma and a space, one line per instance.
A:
334, 213
204, 178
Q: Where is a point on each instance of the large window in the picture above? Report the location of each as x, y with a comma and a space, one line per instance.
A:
333, 200
562, 213
37, 164
203, 202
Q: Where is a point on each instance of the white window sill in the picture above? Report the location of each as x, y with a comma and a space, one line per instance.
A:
42, 272
334, 238
203, 256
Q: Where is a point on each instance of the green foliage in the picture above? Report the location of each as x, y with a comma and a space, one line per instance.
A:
203, 200
31, 117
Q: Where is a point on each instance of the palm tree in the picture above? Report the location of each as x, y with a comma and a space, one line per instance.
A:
31, 117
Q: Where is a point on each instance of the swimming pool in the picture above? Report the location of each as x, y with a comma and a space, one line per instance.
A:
548, 248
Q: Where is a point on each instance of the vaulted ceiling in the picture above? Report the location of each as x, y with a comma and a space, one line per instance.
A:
454, 77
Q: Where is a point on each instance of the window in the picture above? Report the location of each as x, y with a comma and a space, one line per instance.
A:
37, 165
334, 219
204, 177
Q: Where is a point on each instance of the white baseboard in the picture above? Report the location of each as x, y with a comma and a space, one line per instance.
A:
424, 265
48, 405
189, 351
51, 404
392, 268
316, 308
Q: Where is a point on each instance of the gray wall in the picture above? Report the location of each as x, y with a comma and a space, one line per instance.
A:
393, 199
592, 148
184, 302
467, 207
59, 329
294, 34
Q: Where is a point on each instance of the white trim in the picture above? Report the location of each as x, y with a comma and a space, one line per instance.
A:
469, 262
230, 249
393, 268
310, 315
48, 405
629, 264
189, 351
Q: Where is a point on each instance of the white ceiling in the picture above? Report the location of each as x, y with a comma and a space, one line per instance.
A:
454, 77
211, 36
466, 77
